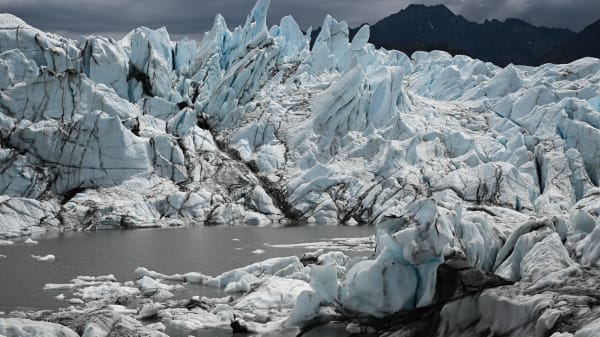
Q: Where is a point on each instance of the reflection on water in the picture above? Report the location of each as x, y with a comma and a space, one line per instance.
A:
209, 250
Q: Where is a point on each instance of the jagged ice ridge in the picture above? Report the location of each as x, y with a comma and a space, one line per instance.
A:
447, 156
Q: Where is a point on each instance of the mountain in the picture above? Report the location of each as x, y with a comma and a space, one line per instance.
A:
584, 43
421, 27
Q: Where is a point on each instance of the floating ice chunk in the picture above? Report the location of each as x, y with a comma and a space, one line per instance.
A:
149, 310
323, 280
75, 301
148, 284
67, 286
189, 321
6, 243
157, 326
17, 327
60, 297
244, 284
142, 272
279, 266
81, 281
46, 258
258, 251
106, 291
30, 241
355, 328
101, 278
307, 307
368, 287
2, 256
93, 330
121, 309
273, 293
195, 278
333, 258
365, 244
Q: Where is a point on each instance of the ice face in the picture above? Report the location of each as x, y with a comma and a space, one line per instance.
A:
16, 68
105, 61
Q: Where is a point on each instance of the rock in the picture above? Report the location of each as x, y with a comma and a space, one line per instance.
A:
456, 279
149, 310
239, 326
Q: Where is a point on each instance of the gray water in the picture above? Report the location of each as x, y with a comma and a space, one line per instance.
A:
210, 250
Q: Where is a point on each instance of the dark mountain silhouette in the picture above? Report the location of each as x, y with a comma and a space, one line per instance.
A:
420, 27
585, 43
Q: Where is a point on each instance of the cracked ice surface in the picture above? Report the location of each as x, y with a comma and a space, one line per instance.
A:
447, 156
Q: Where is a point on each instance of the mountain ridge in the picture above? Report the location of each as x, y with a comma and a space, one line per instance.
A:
420, 27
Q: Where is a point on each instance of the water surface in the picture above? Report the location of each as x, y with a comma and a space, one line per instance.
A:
209, 250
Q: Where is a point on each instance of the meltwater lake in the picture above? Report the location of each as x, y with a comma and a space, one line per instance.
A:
209, 250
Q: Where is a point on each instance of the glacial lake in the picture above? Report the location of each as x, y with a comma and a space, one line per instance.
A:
209, 250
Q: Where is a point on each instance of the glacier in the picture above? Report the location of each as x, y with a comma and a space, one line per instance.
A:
448, 157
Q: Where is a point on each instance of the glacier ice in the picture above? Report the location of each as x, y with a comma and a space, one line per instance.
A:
446, 155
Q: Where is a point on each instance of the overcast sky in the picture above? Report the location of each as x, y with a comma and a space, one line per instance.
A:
193, 17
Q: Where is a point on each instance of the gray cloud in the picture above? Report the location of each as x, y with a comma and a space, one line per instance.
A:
193, 17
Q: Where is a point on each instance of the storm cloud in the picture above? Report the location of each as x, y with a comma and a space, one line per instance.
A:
193, 17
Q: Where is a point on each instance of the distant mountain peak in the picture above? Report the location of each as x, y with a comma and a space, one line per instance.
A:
425, 27
420, 27
420, 9
428, 7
